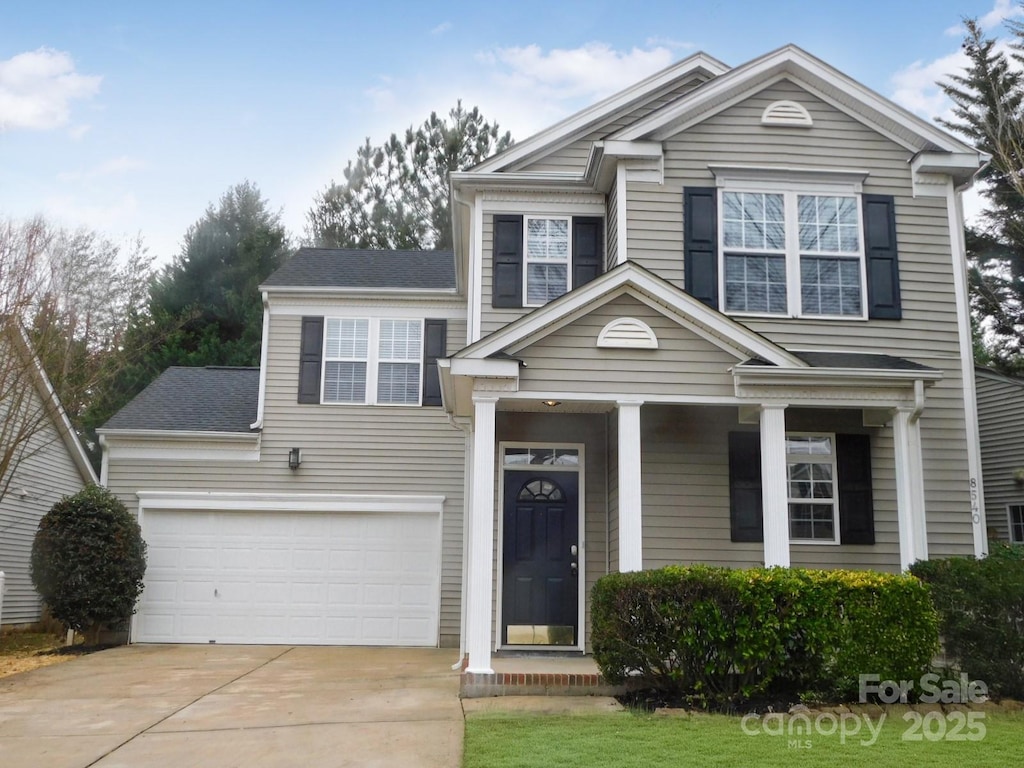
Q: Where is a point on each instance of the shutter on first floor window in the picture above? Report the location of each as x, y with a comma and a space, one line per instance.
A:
435, 337
700, 244
587, 251
310, 359
882, 260
507, 264
745, 517
856, 507
853, 467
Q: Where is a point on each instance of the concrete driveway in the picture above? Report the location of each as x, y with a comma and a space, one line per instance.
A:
219, 706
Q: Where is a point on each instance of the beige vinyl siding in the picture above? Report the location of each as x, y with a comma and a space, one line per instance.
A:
611, 230
1001, 423
928, 331
568, 360
561, 429
571, 157
685, 468
345, 449
47, 474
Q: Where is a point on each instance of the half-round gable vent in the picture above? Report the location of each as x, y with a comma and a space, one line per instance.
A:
786, 113
627, 333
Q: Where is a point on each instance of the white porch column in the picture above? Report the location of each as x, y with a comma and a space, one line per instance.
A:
906, 433
481, 545
631, 548
774, 490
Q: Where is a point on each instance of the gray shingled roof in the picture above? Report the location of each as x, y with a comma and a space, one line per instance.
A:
853, 360
347, 268
212, 399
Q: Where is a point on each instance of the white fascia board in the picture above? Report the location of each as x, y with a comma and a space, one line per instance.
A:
604, 158
178, 435
764, 374
470, 181
792, 60
486, 368
393, 311
442, 294
605, 110
960, 166
535, 324
290, 502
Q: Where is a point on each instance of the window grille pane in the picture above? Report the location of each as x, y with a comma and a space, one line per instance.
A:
755, 283
344, 382
398, 383
830, 286
753, 220
400, 339
828, 223
545, 282
547, 239
347, 338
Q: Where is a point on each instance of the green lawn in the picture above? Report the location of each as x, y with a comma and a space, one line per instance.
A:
628, 739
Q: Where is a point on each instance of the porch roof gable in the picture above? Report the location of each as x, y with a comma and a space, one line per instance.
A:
632, 279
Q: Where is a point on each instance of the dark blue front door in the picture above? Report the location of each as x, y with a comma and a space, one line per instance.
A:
540, 581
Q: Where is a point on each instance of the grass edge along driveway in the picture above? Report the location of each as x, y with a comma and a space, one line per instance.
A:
628, 739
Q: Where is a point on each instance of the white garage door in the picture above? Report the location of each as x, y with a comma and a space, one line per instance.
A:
293, 578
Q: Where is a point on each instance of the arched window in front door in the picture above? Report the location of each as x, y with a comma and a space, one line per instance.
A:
540, 490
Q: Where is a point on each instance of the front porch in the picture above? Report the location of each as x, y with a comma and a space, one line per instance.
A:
626, 426
536, 675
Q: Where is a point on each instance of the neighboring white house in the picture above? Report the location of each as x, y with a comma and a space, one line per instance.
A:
52, 465
718, 317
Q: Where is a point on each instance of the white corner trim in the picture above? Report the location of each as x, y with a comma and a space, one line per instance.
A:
104, 461
787, 113
290, 502
621, 215
627, 333
476, 256
264, 344
959, 257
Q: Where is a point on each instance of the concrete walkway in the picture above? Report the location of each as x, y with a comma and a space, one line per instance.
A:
222, 706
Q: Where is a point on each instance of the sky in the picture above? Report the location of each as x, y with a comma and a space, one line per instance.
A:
132, 117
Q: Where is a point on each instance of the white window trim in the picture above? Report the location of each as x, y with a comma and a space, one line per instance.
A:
373, 361
790, 190
794, 458
1009, 522
526, 255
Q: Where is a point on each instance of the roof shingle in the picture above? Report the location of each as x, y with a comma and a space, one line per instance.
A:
349, 268
211, 399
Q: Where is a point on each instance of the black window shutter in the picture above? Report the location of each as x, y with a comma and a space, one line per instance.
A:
700, 243
507, 264
435, 336
745, 515
883, 265
856, 509
587, 250
310, 358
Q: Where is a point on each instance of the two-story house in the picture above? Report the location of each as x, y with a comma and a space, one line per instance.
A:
719, 317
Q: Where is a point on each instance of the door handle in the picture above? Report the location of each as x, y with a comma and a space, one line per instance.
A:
574, 550
574, 569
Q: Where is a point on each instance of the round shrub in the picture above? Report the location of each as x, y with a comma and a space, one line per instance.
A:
88, 560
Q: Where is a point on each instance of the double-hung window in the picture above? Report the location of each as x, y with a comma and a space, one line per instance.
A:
813, 500
372, 361
795, 252
546, 273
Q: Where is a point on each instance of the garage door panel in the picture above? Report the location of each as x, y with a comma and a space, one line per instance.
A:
268, 577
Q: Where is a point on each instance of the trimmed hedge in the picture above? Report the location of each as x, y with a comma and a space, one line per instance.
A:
88, 560
981, 609
725, 635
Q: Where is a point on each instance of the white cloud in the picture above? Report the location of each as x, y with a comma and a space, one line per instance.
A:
668, 42
37, 88
441, 28
916, 86
381, 99
1001, 11
114, 216
592, 71
113, 167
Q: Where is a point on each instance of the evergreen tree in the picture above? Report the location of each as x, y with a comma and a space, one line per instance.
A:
395, 195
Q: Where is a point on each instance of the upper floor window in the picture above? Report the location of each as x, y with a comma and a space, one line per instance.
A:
790, 253
547, 260
372, 361
537, 258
